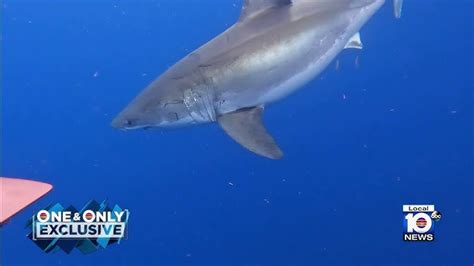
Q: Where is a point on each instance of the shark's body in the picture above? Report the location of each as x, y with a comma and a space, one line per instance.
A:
276, 47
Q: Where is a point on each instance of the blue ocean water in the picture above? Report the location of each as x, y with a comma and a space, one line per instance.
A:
391, 126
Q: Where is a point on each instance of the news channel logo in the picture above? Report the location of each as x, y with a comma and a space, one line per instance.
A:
418, 222
93, 227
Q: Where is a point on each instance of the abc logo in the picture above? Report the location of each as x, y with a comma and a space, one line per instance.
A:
436, 215
418, 223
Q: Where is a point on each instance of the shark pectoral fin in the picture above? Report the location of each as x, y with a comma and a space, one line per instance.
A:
253, 7
354, 42
245, 126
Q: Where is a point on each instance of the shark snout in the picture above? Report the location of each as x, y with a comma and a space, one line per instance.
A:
123, 123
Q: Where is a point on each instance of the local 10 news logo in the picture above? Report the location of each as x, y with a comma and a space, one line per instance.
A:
418, 222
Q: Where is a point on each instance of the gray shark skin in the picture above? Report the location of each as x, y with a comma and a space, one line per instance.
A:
275, 48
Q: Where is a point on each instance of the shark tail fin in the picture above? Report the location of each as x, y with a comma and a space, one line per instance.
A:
397, 8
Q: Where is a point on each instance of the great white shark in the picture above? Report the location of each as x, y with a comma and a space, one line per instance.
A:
275, 48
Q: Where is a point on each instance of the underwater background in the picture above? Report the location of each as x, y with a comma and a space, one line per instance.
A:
391, 125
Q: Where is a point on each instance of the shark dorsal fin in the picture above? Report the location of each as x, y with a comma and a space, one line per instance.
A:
245, 126
253, 7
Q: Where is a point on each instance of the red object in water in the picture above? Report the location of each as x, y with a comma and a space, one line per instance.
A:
17, 194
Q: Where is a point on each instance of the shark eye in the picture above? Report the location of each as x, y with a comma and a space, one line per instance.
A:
130, 123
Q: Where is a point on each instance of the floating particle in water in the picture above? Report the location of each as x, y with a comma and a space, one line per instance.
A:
230, 184
96, 74
454, 112
344, 96
266, 201
357, 62
338, 65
